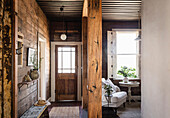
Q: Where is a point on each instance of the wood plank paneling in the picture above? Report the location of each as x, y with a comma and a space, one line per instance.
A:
94, 58
31, 21
15, 60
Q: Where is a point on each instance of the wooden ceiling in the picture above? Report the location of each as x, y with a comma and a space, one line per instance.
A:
111, 9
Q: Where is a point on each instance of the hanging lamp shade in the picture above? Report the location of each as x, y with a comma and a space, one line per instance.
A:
63, 37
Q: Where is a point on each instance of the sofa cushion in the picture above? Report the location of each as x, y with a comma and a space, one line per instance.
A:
118, 96
103, 82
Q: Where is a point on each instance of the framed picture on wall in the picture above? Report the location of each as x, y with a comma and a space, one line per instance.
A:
30, 56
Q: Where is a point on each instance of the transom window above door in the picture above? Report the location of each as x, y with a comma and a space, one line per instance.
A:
66, 59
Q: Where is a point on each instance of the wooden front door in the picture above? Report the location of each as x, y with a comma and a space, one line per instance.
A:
66, 72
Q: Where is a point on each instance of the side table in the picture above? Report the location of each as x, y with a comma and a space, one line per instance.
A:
129, 85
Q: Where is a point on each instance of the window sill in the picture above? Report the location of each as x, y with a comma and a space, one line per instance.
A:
128, 78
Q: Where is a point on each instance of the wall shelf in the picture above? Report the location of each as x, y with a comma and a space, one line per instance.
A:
20, 85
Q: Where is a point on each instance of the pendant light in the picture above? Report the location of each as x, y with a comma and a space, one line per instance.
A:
63, 35
139, 35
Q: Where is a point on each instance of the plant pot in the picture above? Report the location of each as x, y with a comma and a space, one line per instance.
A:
34, 74
125, 80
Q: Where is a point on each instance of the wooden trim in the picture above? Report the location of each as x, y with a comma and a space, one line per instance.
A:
56, 72
85, 8
14, 59
84, 79
76, 74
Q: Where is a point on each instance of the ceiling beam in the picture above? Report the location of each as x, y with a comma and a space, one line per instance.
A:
85, 8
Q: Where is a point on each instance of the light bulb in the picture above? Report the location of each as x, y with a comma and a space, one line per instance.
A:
63, 37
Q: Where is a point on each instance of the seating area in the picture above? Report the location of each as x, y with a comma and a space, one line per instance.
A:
117, 98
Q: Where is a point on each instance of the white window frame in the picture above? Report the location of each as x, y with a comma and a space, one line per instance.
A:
138, 56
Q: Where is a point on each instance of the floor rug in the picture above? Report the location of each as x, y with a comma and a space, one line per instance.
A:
64, 112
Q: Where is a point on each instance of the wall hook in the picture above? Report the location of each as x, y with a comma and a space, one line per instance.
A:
18, 50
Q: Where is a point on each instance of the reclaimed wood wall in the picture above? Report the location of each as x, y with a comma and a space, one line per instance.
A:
6, 58
31, 21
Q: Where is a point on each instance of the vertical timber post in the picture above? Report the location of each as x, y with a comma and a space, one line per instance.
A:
94, 58
7, 50
14, 59
84, 40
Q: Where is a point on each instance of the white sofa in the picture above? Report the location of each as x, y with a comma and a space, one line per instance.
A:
118, 97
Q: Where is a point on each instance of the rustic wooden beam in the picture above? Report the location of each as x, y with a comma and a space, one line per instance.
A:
84, 79
94, 58
85, 8
84, 40
7, 74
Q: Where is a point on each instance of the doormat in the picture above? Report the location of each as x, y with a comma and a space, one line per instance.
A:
64, 112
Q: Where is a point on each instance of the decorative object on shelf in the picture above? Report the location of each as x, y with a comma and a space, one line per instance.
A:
127, 72
31, 54
63, 36
27, 78
34, 73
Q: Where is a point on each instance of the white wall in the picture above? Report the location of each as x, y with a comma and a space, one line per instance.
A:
156, 59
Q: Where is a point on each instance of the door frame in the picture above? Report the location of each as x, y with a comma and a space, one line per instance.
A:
56, 68
53, 44
42, 81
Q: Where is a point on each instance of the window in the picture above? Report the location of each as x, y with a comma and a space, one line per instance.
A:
127, 50
66, 59
122, 50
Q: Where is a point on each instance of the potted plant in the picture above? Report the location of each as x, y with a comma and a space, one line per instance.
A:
34, 74
127, 72
108, 92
